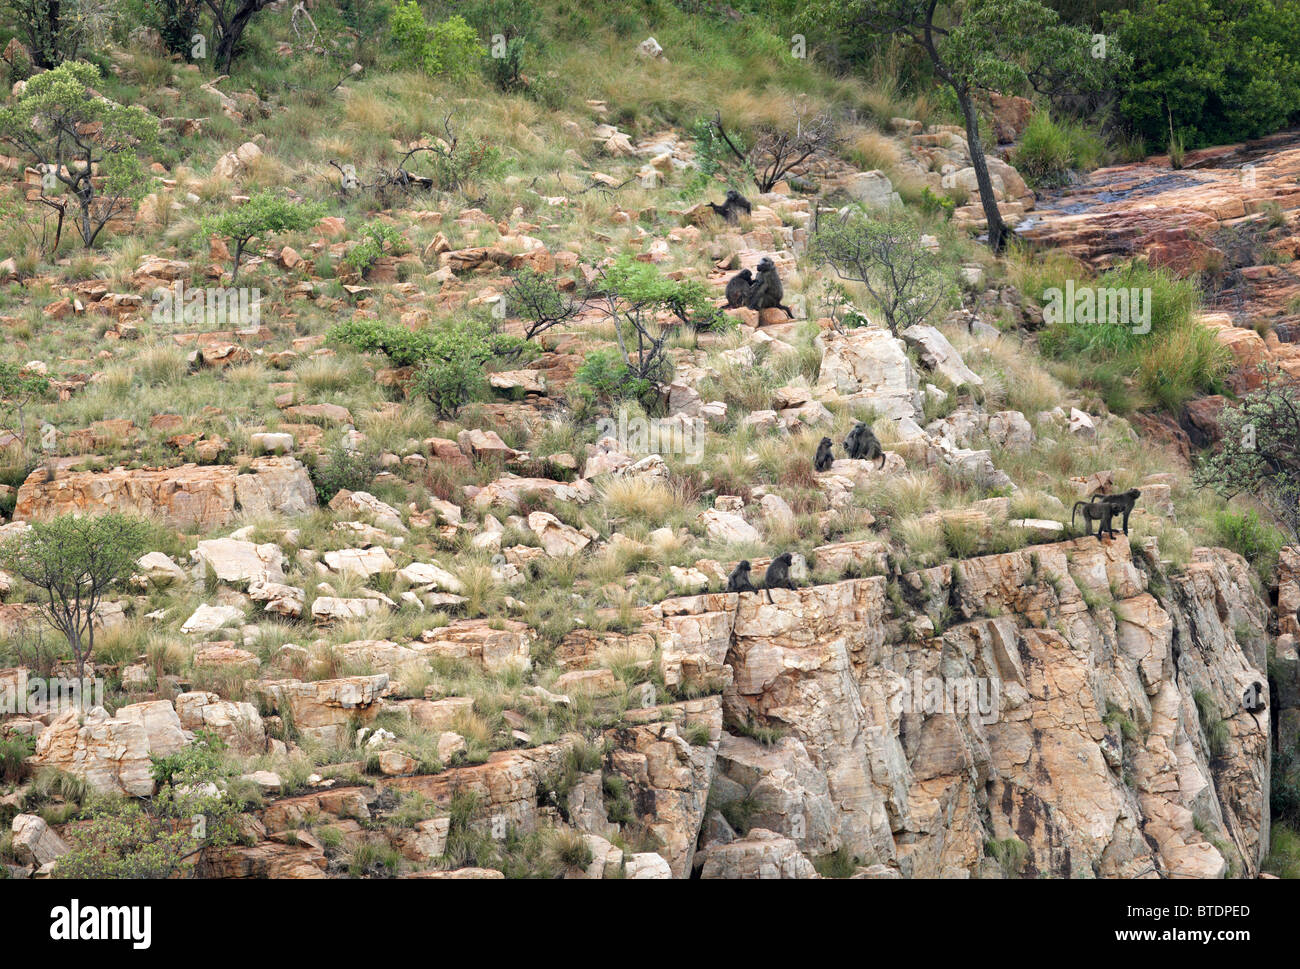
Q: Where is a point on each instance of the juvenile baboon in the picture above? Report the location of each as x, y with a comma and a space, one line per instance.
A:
738, 580
738, 287
767, 291
1253, 699
734, 204
777, 575
1122, 503
862, 443
824, 458
1100, 511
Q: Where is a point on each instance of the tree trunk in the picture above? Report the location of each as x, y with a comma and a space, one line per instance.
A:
997, 228
234, 30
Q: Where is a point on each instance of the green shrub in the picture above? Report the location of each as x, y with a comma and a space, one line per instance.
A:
1255, 540
376, 238
448, 48
1209, 73
1049, 149
342, 469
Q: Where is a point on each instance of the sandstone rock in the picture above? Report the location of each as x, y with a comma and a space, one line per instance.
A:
238, 724
34, 843
727, 527
867, 365
189, 497
938, 354
278, 598
557, 538
240, 563
760, 854
330, 609
322, 709
111, 754
208, 619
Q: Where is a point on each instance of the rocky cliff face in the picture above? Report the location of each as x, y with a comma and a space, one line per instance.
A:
1071, 698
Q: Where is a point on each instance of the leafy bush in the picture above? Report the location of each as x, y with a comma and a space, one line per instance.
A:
75, 562
451, 363
177, 21
1049, 149
1209, 72
1253, 539
1258, 457
376, 237
264, 214
342, 470
448, 48
885, 255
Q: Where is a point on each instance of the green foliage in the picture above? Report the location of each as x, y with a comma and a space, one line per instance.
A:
1255, 540
932, 204
376, 238
46, 122
18, 388
262, 215
14, 752
448, 48
177, 21
1050, 148
469, 159
456, 372
195, 808
451, 363
1259, 456
342, 469
75, 562
980, 46
1172, 362
1215, 73
1010, 853
53, 30
403, 347
885, 255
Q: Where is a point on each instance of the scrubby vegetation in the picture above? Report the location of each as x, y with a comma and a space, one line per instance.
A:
488, 409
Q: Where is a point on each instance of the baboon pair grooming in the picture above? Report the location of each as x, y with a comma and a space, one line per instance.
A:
1103, 510
861, 443
776, 577
757, 292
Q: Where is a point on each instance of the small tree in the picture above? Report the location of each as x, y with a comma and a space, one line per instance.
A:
981, 46
450, 363
776, 152
74, 562
53, 30
646, 308
262, 215
18, 388
539, 303
76, 136
887, 257
1260, 451
229, 19
450, 47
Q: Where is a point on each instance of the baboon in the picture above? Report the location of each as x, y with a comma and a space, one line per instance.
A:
767, 291
1100, 511
738, 287
1122, 503
738, 580
777, 575
824, 458
862, 443
734, 204
1253, 698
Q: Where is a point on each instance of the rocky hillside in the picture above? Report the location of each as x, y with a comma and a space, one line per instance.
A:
374, 635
